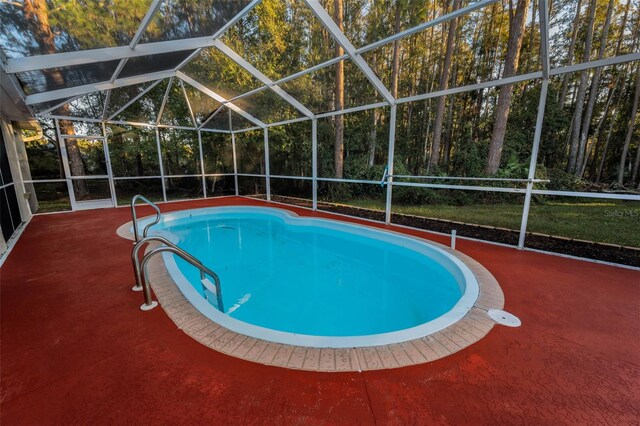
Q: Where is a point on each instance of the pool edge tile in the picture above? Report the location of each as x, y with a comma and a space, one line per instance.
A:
474, 326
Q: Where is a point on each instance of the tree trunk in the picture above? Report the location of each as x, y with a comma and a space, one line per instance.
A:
444, 84
627, 139
76, 164
476, 114
448, 141
610, 97
427, 103
611, 124
599, 134
374, 125
36, 12
373, 135
636, 165
396, 52
139, 164
339, 97
572, 164
593, 95
531, 34
426, 146
516, 34
394, 80
623, 26
572, 46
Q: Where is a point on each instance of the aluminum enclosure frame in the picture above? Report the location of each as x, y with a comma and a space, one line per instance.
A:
136, 49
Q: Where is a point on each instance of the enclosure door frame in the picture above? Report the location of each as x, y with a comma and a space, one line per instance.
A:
89, 204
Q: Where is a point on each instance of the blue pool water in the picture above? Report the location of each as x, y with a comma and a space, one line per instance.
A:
313, 277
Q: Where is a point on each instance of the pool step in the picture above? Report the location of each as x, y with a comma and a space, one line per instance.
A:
207, 285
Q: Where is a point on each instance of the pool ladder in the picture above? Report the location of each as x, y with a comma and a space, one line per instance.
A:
134, 200
140, 267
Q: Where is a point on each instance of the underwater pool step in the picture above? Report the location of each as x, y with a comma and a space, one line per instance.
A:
208, 285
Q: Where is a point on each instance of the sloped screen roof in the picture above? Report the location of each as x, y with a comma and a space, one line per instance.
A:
268, 61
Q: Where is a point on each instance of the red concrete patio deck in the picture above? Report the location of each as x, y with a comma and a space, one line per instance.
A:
75, 348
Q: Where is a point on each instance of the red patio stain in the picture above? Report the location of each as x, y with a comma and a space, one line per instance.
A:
77, 350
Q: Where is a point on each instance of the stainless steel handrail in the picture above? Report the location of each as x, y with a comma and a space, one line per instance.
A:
135, 217
149, 303
134, 257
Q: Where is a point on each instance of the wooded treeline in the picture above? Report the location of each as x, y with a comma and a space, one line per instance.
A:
590, 133
590, 137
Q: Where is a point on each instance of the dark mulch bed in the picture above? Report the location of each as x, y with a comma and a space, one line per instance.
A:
579, 248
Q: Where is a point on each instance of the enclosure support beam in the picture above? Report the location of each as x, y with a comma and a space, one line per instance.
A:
164, 100
107, 156
56, 60
186, 99
267, 169
350, 50
153, 8
314, 162
353, 109
211, 116
204, 179
392, 148
544, 54
65, 164
107, 99
472, 87
135, 98
128, 123
505, 190
235, 158
249, 93
67, 101
312, 69
164, 188
533, 163
434, 22
214, 95
261, 77
70, 92
118, 70
596, 64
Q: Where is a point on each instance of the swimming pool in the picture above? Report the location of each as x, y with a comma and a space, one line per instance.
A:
316, 282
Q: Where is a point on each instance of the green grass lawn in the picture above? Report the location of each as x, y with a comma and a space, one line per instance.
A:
126, 200
608, 221
49, 206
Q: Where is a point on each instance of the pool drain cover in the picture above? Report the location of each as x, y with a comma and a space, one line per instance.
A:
504, 318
